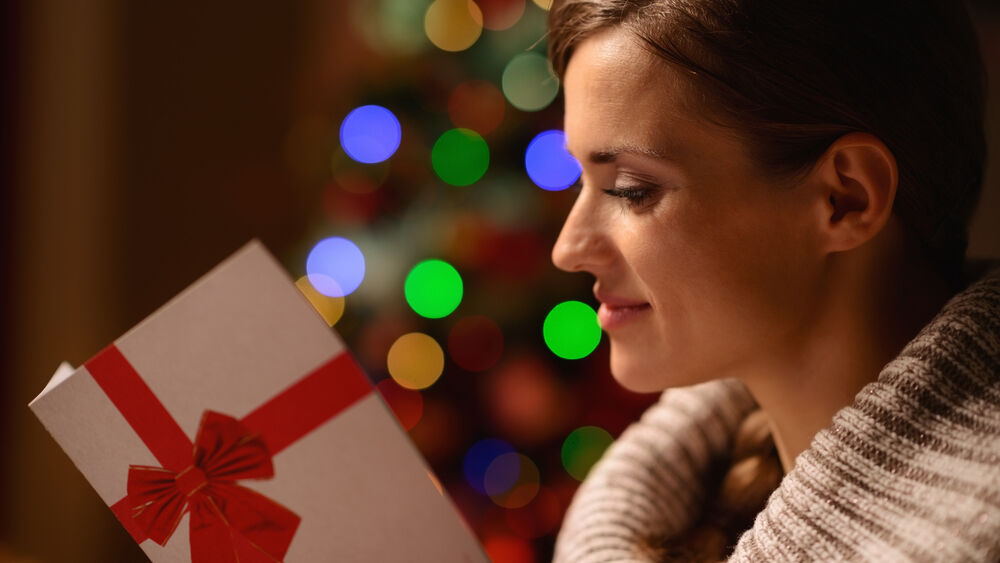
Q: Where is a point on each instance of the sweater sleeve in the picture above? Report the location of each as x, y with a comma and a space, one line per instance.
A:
649, 483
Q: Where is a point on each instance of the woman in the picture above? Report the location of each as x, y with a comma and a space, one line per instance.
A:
774, 205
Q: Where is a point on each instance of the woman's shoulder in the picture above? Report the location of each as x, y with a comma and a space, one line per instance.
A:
912, 467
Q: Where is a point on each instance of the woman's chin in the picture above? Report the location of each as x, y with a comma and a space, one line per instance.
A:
635, 374
645, 373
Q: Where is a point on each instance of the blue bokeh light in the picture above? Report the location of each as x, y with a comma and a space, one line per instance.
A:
370, 134
502, 474
549, 164
335, 267
478, 459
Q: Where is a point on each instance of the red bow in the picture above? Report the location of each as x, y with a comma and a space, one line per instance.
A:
229, 523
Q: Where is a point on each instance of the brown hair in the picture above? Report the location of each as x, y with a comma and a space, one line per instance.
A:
750, 473
793, 76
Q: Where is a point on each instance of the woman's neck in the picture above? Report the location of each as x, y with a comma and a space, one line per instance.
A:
870, 307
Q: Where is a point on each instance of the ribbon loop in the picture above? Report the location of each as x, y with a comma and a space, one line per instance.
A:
227, 519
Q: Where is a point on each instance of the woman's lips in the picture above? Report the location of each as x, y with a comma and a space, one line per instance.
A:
612, 317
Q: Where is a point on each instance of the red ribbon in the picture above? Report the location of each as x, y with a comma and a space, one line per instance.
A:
225, 451
229, 523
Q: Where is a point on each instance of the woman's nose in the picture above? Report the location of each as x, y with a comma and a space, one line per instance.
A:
582, 245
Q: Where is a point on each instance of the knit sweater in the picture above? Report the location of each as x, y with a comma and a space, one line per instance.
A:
909, 471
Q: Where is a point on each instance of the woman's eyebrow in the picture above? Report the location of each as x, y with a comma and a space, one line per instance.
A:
610, 154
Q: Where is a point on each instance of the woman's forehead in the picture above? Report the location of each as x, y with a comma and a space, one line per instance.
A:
619, 94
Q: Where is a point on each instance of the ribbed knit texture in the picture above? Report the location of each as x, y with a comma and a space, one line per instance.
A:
909, 471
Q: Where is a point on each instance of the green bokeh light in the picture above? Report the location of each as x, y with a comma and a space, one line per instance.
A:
582, 448
460, 157
433, 288
571, 330
393, 27
528, 82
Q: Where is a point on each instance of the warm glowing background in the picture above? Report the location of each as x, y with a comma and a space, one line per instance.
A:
144, 142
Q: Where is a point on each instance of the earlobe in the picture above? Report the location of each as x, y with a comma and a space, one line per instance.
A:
858, 178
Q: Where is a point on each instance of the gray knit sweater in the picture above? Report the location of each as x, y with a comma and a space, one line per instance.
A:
909, 471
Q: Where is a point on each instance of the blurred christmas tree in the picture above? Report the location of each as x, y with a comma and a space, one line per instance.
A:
432, 205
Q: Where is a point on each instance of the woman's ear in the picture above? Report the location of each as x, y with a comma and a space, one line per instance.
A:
857, 178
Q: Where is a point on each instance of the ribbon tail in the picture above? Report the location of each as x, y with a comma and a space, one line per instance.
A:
211, 536
247, 525
247, 552
213, 540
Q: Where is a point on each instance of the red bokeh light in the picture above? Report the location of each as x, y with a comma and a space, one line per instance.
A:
439, 432
500, 14
526, 401
509, 549
475, 343
406, 404
540, 517
476, 105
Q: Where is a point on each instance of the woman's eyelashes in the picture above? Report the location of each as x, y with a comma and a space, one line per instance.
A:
633, 196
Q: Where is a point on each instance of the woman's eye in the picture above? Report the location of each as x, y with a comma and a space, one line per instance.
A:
635, 196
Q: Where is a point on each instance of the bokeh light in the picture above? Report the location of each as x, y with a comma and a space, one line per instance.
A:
440, 432
502, 473
433, 289
582, 448
330, 308
463, 239
475, 343
348, 208
460, 157
508, 254
476, 105
571, 330
549, 164
539, 517
526, 401
543, 4
453, 25
370, 134
478, 459
528, 82
392, 27
355, 182
500, 14
335, 267
406, 404
509, 549
374, 338
415, 361
511, 480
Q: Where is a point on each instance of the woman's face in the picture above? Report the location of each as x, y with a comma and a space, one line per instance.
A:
702, 264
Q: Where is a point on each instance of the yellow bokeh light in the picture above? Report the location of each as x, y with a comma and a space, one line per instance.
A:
453, 25
415, 361
543, 4
330, 308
